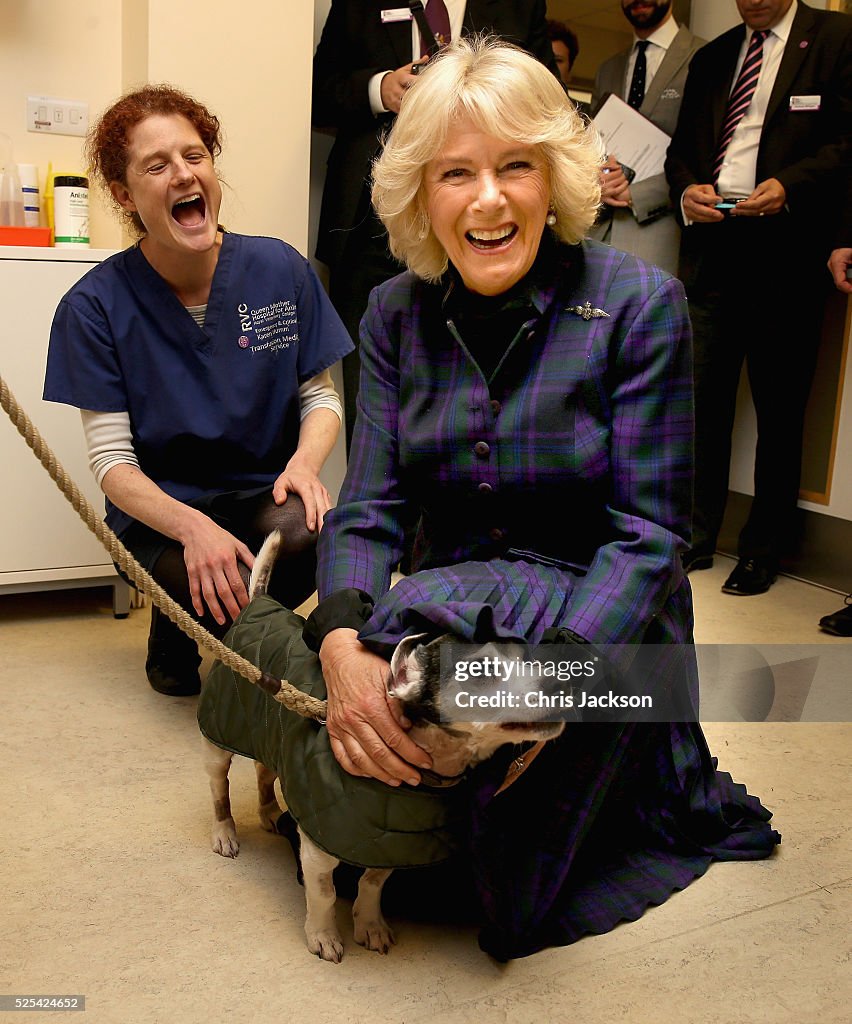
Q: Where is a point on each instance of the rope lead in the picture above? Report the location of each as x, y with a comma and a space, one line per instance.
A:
284, 692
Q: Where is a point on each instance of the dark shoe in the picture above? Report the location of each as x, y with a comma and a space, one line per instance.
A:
170, 676
696, 559
750, 577
173, 659
838, 623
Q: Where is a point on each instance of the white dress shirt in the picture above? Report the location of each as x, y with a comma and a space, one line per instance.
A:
661, 39
738, 173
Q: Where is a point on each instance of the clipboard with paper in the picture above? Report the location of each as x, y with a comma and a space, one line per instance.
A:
635, 140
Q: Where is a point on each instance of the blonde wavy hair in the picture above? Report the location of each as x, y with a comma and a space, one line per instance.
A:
508, 94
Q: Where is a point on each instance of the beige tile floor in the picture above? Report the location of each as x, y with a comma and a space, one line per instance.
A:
109, 888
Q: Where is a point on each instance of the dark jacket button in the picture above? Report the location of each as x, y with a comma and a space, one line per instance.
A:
485, 488
482, 449
495, 533
495, 407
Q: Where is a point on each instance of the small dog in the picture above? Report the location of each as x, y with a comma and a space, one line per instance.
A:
414, 680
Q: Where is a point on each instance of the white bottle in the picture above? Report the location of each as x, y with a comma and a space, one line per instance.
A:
71, 211
28, 173
11, 200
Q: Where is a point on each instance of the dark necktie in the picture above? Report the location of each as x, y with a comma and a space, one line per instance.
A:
439, 21
740, 98
640, 71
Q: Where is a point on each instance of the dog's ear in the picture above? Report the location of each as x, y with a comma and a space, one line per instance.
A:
406, 681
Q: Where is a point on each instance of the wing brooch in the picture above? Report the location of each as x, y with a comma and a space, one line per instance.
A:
587, 311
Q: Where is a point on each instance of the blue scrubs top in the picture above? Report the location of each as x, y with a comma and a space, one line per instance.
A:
212, 409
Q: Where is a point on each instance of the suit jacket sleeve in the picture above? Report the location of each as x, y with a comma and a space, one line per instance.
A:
362, 538
339, 85
538, 42
805, 179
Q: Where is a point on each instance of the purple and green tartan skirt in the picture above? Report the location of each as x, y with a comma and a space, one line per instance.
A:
612, 818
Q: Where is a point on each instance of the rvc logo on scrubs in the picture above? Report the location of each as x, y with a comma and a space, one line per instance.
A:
274, 326
245, 320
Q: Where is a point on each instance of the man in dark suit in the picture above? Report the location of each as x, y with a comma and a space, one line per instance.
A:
764, 126
362, 67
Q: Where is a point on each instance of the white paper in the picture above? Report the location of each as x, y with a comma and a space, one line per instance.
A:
631, 138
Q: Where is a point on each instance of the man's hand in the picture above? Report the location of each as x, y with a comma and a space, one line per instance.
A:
615, 188
394, 85
699, 204
364, 722
838, 264
768, 198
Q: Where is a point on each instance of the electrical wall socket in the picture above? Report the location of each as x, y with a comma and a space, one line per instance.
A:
57, 117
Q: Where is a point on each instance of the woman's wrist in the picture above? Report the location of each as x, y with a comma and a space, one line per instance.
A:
338, 642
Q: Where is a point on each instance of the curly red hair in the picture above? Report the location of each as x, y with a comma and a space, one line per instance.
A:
108, 142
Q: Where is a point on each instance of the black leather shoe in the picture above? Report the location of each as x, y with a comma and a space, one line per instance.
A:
696, 559
750, 577
838, 623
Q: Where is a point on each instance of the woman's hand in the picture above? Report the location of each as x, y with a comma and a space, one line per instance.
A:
365, 723
317, 435
211, 555
309, 487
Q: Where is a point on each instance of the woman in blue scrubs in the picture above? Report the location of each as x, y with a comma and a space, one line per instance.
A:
199, 359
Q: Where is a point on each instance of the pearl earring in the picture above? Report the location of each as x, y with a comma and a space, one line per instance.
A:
550, 219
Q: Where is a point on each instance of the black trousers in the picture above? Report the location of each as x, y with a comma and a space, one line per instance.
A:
249, 517
753, 298
366, 262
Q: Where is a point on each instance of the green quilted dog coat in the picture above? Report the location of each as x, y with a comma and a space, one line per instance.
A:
361, 821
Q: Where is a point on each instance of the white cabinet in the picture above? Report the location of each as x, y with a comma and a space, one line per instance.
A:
43, 543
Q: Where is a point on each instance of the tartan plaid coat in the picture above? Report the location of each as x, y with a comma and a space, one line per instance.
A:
576, 454
557, 492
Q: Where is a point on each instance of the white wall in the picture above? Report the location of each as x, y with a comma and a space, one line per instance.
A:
250, 64
65, 51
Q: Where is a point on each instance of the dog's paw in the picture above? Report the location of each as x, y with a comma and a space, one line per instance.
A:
224, 840
326, 944
375, 934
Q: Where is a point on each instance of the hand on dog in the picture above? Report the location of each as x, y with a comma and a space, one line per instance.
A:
211, 555
365, 724
311, 490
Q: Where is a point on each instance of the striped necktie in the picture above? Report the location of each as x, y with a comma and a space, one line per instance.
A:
640, 71
740, 98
